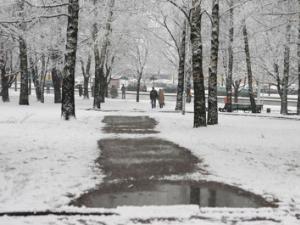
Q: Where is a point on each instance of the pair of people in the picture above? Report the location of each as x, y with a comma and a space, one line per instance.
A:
160, 96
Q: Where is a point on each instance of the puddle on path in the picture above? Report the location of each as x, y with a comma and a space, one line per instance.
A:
144, 158
157, 193
129, 124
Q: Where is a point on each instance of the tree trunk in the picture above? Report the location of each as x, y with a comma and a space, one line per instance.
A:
4, 82
298, 101
23, 100
181, 68
236, 87
35, 80
68, 101
43, 78
104, 50
86, 88
138, 86
29, 83
249, 69
97, 101
198, 77
298, 55
4, 78
230, 58
56, 80
212, 117
102, 85
87, 78
286, 71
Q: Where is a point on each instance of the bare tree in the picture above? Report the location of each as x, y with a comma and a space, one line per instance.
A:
249, 68
140, 57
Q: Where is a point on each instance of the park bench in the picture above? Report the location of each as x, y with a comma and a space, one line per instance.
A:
242, 107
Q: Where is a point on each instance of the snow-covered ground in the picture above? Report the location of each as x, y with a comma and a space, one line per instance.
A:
45, 161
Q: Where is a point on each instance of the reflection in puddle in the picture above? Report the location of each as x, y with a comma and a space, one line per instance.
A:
214, 195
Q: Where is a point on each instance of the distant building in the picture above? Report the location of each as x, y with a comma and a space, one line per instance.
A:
114, 82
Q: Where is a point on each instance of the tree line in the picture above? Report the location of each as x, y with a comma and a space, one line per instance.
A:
207, 42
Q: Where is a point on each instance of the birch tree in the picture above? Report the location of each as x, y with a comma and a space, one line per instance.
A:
68, 101
198, 76
212, 117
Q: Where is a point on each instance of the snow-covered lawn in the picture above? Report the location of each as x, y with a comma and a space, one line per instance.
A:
45, 161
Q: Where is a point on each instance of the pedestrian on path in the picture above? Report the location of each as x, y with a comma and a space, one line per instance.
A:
153, 97
161, 98
123, 89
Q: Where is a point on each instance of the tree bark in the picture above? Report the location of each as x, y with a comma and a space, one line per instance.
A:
43, 78
236, 87
4, 81
104, 50
212, 117
180, 86
298, 55
35, 80
86, 78
56, 80
249, 69
198, 77
68, 101
230, 58
138, 86
23, 100
97, 100
286, 71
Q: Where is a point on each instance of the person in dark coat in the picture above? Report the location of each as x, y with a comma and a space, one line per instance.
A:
123, 89
153, 97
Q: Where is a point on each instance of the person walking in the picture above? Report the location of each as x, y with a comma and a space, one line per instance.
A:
161, 98
123, 89
153, 97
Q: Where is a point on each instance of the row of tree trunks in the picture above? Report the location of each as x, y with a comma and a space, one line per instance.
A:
230, 57
212, 117
180, 86
249, 69
68, 101
198, 76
